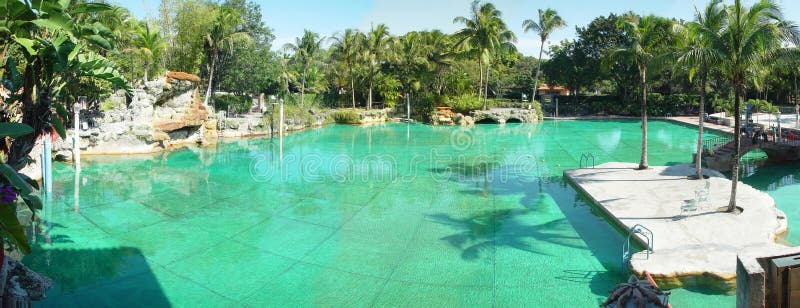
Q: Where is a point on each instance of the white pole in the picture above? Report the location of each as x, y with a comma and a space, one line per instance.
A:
778, 137
556, 107
280, 119
408, 107
280, 131
47, 163
76, 138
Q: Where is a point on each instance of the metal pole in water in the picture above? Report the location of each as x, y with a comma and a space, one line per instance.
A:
280, 130
76, 138
47, 163
556, 107
778, 137
408, 107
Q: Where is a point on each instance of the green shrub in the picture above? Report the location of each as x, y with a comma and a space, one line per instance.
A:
106, 105
233, 103
463, 104
423, 108
538, 108
346, 116
760, 105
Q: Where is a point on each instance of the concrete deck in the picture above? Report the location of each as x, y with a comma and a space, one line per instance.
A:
698, 248
707, 125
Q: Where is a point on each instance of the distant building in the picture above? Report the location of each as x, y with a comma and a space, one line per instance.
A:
546, 89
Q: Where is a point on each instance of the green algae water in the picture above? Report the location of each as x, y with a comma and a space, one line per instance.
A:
386, 215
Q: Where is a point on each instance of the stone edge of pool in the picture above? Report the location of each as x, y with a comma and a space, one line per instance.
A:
687, 251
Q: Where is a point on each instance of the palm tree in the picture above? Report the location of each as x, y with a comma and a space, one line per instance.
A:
149, 43
374, 50
750, 38
438, 50
305, 50
409, 56
698, 54
549, 21
346, 48
648, 36
483, 33
225, 32
285, 74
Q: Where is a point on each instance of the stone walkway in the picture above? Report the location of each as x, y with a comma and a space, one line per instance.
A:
688, 248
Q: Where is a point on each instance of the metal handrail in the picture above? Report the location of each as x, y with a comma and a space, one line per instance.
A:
586, 157
626, 246
709, 144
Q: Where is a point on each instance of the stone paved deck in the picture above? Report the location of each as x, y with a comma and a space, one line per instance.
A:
700, 247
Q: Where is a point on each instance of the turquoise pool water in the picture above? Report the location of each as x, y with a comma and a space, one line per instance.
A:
387, 215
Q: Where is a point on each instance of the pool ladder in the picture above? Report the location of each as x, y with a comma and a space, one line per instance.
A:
586, 159
626, 246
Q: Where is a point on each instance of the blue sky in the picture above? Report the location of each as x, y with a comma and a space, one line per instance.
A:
289, 18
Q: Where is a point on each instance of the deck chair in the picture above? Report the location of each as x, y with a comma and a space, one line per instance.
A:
690, 205
701, 194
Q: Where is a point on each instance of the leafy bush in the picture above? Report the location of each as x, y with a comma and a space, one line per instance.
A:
233, 103
423, 108
760, 105
657, 105
346, 116
538, 108
389, 89
106, 105
463, 104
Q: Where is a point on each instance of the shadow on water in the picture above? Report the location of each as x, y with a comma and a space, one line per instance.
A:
479, 232
536, 194
105, 277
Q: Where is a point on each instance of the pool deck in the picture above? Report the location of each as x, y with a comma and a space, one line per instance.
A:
708, 125
698, 247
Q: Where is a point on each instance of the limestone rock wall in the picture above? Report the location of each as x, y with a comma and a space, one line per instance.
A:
157, 116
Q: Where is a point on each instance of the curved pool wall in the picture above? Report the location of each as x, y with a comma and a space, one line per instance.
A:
395, 214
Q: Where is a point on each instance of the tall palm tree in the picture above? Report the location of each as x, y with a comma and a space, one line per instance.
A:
305, 50
409, 56
750, 38
438, 50
698, 54
374, 51
648, 36
346, 48
548, 22
483, 33
285, 74
226, 31
149, 43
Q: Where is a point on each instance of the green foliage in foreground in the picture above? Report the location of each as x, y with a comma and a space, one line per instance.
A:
15, 189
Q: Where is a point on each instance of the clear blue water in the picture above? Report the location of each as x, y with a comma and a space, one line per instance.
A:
386, 215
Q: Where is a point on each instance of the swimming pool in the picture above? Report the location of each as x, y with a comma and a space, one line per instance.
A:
386, 215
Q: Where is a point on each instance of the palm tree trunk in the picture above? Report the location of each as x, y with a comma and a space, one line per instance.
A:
538, 68
371, 76
486, 91
210, 79
146, 68
480, 82
699, 157
303, 87
643, 163
352, 85
737, 140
